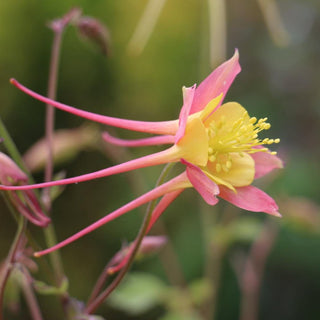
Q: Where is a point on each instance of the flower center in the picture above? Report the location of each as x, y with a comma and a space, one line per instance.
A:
231, 130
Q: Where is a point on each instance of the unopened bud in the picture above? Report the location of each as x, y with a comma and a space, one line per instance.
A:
57, 25
149, 245
93, 30
10, 173
25, 202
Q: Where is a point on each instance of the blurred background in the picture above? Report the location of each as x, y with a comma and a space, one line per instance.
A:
279, 79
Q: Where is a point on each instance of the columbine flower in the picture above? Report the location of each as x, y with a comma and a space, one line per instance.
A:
218, 144
25, 202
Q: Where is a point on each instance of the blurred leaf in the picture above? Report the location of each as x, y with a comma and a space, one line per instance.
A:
138, 293
200, 290
66, 145
181, 302
46, 289
13, 292
75, 310
301, 215
245, 229
180, 316
240, 230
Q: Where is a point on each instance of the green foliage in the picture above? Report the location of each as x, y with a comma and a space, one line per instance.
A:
138, 293
244, 229
46, 289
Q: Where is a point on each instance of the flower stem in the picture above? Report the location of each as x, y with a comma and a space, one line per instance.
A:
49, 122
31, 299
254, 270
212, 263
142, 232
7, 268
55, 258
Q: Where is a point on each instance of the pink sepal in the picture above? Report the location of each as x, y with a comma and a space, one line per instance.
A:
203, 184
169, 186
216, 83
162, 127
265, 163
149, 160
250, 198
151, 141
188, 94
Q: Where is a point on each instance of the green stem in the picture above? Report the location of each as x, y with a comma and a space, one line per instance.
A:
142, 232
55, 257
12, 148
254, 268
214, 252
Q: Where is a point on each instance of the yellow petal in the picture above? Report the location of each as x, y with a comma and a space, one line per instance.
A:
217, 180
193, 146
228, 114
241, 172
210, 107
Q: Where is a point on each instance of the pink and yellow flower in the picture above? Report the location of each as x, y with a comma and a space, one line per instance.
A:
218, 144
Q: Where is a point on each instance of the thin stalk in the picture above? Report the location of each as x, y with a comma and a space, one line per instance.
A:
217, 31
50, 114
146, 26
31, 299
49, 125
55, 257
215, 251
142, 232
213, 257
254, 269
100, 283
272, 17
22, 223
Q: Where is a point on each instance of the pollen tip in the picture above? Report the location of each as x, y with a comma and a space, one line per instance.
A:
37, 255
111, 270
13, 81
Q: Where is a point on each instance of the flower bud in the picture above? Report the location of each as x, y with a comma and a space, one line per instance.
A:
93, 30
149, 245
58, 25
25, 202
